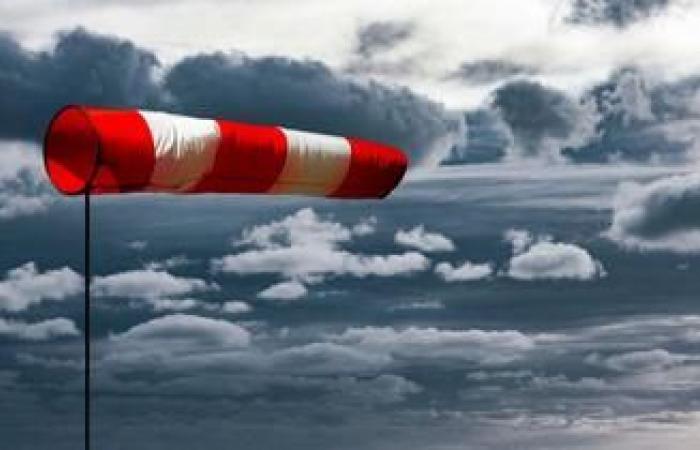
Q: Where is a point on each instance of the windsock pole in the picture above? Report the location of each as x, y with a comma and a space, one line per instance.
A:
86, 330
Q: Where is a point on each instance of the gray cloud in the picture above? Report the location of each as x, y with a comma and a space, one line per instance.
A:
308, 95
23, 190
639, 119
38, 331
379, 50
381, 36
615, 12
82, 68
485, 71
638, 361
524, 382
488, 138
631, 116
99, 70
542, 120
25, 286
661, 215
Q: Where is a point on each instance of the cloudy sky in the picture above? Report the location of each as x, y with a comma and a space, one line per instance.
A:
532, 284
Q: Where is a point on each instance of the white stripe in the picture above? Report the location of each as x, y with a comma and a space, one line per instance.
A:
316, 164
185, 149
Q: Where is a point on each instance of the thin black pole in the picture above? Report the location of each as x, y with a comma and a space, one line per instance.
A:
86, 332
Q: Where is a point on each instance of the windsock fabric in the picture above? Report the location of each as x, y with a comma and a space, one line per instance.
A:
107, 151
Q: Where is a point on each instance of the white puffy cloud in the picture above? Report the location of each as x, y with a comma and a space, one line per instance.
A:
303, 228
235, 307
553, 260
25, 286
365, 227
520, 240
304, 246
161, 289
301, 262
38, 331
543, 259
423, 240
286, 290
185, 330
466, 272
661, 215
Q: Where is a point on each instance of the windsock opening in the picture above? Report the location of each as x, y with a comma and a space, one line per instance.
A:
71, 147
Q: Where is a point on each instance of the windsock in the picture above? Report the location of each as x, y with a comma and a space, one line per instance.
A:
109, 151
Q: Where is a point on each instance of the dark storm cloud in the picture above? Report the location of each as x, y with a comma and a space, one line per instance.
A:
662, 215
640, 120
307, 95
631, 116
97, 70
373, 53
488, 138
615, 12
487, 71
82, 68
675, 101
535, 112
376, 37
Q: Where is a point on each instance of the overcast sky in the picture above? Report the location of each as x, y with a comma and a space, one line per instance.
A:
532, 283
568, 43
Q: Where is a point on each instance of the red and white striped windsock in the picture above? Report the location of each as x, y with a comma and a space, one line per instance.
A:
106, 151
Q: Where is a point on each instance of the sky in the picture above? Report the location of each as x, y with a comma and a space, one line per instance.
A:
531, 284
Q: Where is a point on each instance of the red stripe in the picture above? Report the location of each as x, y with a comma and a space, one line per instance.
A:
249, 159
375, 170
126, 157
